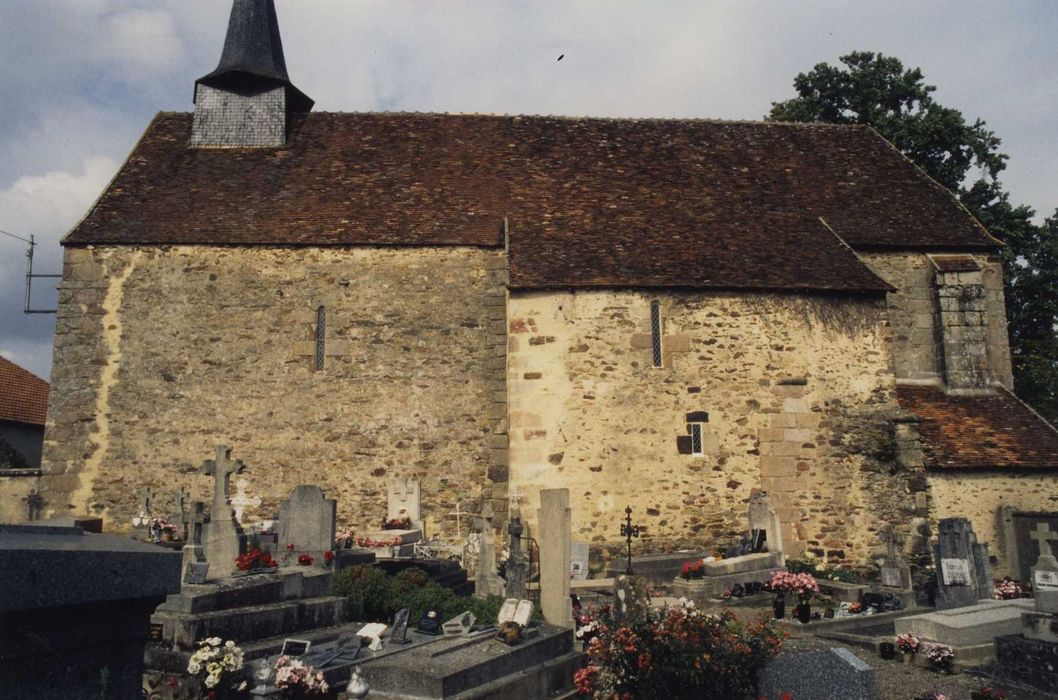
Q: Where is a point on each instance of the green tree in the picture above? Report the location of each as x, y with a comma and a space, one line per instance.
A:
878, 91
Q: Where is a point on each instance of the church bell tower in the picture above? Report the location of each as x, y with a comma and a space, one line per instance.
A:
246, 102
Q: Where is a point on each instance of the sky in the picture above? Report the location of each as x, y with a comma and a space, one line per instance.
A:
82, 78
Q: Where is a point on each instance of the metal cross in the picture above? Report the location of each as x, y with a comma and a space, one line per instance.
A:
459, 514
1044, 537
628, 531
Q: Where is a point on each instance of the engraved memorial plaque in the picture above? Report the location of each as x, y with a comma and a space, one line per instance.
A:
956, 572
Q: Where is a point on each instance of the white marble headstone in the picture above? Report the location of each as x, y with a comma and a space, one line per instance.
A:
507, 610
524, 612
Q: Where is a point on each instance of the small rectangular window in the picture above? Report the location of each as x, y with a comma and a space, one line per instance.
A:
696, 438
655, 332
321, 334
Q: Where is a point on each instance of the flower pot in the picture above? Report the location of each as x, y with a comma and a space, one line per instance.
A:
907, 658
804, 612
779, 607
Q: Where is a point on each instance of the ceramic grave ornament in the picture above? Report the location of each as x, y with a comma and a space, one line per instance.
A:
460, 624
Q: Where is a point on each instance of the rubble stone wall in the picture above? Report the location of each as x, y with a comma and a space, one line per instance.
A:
798, 392
161, 353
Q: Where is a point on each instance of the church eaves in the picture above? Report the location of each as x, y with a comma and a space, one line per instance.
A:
589, 202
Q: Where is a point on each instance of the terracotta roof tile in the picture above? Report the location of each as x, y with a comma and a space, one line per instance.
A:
23, 395
980, 432
590, 202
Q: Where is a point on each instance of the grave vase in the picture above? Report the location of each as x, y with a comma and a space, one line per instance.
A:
804, 612
778, 606
908, 658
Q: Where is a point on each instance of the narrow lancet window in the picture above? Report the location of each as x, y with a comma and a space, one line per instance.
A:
655, 332
321, 334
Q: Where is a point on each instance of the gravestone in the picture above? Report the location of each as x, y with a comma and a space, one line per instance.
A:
964, 575
399, 633
763, 518
404, 500
193, 552
554, 530
460, 624
507, 611
486, 581
223, 537
196, 572
429, 623
1019, 548
822, 674
524, 612
895, 572
578, 556
307, 521
1042, 624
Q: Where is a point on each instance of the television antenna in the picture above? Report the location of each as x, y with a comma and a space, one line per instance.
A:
30, 275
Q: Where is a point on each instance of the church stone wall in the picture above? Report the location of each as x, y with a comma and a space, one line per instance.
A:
799, 397
979, 496
162, 353
914, 314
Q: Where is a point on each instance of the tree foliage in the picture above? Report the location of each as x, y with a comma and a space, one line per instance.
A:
878, 91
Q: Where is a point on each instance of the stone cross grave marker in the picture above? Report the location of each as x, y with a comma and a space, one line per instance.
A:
240, 500
193, 551
307, 521
486, 581
1045, 572
517, 569
404, 500
964, 575
223, 536
181, 500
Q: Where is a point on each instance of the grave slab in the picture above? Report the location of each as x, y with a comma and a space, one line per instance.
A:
968, 625
758, 561
823, 674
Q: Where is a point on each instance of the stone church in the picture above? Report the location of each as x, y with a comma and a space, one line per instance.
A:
662, 314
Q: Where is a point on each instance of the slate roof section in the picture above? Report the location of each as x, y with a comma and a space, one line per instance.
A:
590, 202
23, 395
980, 432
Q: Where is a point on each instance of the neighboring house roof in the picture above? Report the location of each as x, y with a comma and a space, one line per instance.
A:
980, 432
589, 202
23, 395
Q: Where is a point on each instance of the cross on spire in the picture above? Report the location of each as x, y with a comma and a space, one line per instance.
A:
1044, 536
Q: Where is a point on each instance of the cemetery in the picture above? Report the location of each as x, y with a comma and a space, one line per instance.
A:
297, 607
489, 407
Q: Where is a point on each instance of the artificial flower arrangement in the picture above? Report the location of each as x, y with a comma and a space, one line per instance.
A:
907, 643
328, 558
369, 542
161, 524
344, 537
397, 524
295, 678
855, 608
213, 660
305, 559
693, 569
254, 560
1007, 590
941, 657
804, 585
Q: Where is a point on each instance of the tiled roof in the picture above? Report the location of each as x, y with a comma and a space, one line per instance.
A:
23, 395
955, 263
980, 432
589, 202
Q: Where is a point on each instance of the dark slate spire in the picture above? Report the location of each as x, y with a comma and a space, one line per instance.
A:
253, 54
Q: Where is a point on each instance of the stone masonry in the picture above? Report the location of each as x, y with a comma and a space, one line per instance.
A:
143, 389
797, 392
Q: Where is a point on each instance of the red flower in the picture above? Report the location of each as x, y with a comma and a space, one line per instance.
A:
305, 560
290, 547
328, 555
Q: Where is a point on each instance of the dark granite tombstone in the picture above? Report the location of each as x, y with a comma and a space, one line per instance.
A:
75, 611
964, 575
399, 631
430, 623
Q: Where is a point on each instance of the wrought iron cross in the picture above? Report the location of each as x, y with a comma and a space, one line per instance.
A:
628, 531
